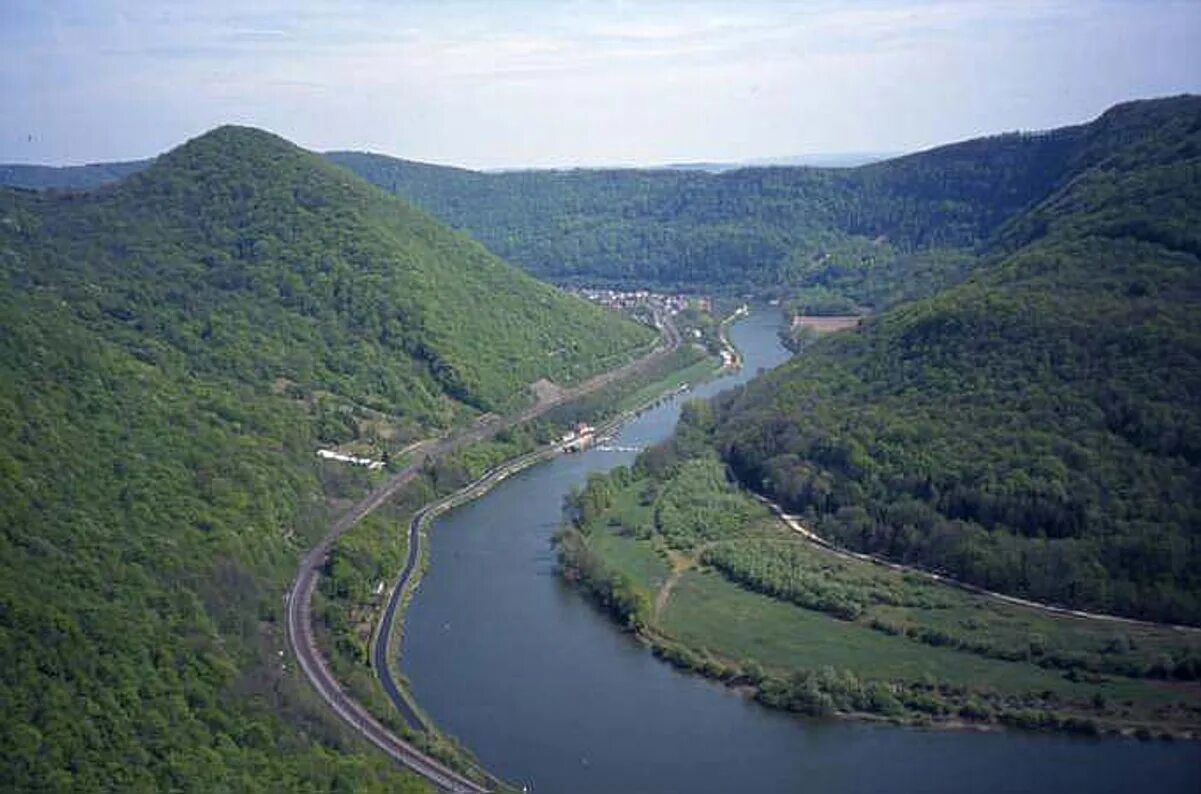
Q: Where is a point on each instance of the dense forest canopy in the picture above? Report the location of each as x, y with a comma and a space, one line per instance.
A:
177, 343
167, 346
245, 252
833, 239
1035, 429
71, 177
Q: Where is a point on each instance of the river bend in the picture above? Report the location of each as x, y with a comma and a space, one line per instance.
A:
550, 694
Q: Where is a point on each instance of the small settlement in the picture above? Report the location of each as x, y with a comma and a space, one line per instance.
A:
629, 299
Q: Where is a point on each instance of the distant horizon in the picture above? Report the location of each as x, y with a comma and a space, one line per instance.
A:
703, 164
766, 161
591, 83
829, 158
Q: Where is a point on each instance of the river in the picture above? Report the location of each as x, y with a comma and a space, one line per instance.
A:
550, 694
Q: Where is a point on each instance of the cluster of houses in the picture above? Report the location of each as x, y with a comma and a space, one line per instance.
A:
629, 299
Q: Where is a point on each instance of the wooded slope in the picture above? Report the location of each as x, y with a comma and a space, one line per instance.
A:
1035, 429
173, 350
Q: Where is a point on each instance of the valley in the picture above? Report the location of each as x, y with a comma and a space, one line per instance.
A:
989, 402
495, 644
160, 485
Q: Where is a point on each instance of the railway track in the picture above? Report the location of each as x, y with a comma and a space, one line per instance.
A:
299, 600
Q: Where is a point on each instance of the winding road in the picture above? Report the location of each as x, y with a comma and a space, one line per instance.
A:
793, 522
299, 600
384, 628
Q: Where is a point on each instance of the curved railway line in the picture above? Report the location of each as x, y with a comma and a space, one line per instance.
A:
299, 600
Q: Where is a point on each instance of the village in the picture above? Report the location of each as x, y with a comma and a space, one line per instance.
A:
631, 299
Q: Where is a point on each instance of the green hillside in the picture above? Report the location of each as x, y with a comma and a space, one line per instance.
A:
832, 239
1035, 429
781, 231
71, 177
250, 254
172, 351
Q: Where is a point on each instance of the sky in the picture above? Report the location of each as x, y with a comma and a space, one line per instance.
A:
558, 83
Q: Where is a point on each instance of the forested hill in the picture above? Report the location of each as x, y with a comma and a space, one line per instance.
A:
1035, 429
870, 235
173, 350
252, 256
72, 177
834, 238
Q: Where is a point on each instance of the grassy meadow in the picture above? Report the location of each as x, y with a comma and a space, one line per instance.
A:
756, 604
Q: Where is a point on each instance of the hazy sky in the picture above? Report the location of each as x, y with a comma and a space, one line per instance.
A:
487, 84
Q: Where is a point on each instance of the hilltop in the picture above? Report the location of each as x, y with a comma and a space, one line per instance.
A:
829, 239
175, 347
832, 239
238, 244
1034, 429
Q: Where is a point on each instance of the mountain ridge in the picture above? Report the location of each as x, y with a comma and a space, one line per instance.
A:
1033, 429
231, 173
831, 239
175, 348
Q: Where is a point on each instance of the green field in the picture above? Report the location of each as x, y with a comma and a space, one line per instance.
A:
701, 370
638, 560
708, 611
754, 603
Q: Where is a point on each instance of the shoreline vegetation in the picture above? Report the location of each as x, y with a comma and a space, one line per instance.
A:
715, 583
1018, 410
176, 348
360, 575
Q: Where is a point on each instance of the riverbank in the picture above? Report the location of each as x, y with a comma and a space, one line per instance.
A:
386, 636
731, 358
521, 443
317, 659
747, 602
549, 693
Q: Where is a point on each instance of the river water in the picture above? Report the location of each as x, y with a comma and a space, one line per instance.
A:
550, 694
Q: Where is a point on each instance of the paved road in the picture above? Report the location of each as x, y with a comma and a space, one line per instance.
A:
487, 481
794, 523
300, 597
380, 648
